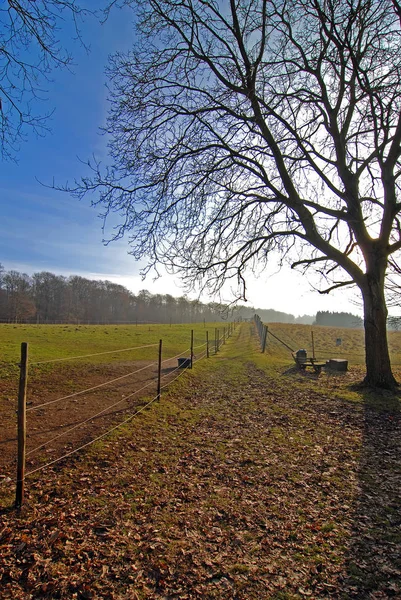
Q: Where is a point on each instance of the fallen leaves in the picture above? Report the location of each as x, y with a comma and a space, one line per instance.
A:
235, 488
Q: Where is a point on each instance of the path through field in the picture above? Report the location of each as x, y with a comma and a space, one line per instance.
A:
240, 484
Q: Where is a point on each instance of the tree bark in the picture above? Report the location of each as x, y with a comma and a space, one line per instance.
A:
378, 365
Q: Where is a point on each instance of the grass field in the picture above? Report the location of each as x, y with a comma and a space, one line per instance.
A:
248, 480
49, 342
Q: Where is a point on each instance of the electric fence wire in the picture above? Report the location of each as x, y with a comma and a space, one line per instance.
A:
176, 356
103, 435
45, 362
63, 433
200, 345
95, 387
179, 368
175, 378
200, 357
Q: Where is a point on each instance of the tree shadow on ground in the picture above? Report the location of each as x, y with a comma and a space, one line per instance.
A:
373, 561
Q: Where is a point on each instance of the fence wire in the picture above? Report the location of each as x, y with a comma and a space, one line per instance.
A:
53, 360
212, 344
99, 437
90, 389
56, 437
176, 356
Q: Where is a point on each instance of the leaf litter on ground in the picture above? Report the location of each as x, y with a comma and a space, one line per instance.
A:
239, 484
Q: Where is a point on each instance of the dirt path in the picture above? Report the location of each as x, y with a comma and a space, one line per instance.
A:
239, 485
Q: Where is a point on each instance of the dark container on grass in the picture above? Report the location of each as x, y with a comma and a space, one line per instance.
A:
184, 363
337, 364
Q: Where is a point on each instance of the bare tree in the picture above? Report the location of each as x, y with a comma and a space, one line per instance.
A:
29, 50
239, 127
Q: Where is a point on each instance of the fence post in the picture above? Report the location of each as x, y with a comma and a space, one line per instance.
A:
192, 346
23, 380
207, 344
224, 335
215, 340
159, 370
264, 338
313, 346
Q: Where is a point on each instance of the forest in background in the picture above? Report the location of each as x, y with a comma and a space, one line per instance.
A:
48, 298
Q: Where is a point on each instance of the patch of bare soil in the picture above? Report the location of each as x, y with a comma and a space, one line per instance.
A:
235, 488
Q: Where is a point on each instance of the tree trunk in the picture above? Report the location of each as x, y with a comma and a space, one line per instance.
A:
378, 366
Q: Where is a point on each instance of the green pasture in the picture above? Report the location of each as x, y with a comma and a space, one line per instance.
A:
51, 342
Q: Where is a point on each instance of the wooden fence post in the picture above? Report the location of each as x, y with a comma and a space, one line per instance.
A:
264, 338
159, 370
207, 344
192, 346
23, 380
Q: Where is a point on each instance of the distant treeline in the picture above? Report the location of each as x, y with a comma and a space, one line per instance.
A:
344, 319
48, 298
338, 319
269, 315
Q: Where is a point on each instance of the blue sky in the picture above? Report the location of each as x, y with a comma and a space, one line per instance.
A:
42, 229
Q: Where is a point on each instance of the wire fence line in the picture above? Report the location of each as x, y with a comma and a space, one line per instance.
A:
95, 387
54, 360
165, 375
107, 432
99, 437
175, 378
42, 467
200, 345
91, 418
176, 356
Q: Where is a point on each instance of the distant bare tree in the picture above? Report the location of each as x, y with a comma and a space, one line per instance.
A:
30, 49
239, 127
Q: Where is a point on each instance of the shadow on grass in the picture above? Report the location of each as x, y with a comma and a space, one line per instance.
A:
373, 561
